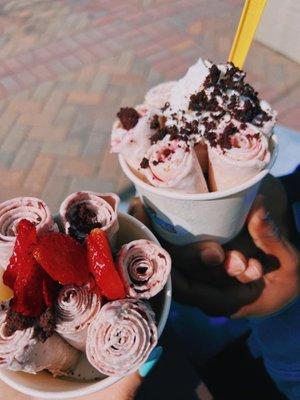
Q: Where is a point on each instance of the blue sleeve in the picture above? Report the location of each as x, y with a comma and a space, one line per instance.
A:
276, 338
291, 184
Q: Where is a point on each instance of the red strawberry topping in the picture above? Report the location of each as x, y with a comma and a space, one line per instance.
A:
102, 266
33, 288
63, 258
25, 240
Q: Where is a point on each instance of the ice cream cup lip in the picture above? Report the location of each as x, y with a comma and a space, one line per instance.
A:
100, 385
202, 196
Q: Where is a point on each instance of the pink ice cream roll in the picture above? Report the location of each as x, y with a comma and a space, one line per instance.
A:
230, 167
144, 267
76, 308
12, 212
134, 142
121, 338
174, 165
21, 351
159, 95
82, 211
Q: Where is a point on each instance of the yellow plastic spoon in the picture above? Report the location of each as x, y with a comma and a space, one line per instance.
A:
248, 24
5, 292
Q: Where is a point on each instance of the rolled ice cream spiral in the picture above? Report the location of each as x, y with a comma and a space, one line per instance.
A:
76, 308
12, 212
83, 211
122, 336
174, 165
247, 155
144, 267
21, 351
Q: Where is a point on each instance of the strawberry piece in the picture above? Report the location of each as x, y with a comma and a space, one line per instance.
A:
28, 289
50, 290
33, 289
102, 266
63, 258
26, 238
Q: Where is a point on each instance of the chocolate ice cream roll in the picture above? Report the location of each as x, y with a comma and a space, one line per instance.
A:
76, 308
122, 336
12, 212
83, 211
144, 267
21, 351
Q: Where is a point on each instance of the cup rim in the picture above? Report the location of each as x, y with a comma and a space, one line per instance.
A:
106, 382
201, 196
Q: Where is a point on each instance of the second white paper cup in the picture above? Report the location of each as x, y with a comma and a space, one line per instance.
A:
43, 385
182, 218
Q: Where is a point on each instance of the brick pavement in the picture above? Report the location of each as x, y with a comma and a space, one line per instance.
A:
66, 66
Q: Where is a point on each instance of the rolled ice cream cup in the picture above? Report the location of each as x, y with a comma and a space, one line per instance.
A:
182, 218
85, 379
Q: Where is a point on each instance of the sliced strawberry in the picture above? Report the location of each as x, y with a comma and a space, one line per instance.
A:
63, 258
33, 289
26, 238
50, 290
28, 289
102, 266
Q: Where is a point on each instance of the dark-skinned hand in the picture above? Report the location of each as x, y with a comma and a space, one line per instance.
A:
256, 274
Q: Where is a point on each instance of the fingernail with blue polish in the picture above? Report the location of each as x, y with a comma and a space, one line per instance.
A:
150, 363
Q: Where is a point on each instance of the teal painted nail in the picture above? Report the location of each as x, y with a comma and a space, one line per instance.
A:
152, 360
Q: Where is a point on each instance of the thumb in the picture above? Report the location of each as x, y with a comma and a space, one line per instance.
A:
266, 234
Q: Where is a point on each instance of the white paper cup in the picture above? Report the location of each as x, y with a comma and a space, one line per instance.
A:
182, 218
43, 385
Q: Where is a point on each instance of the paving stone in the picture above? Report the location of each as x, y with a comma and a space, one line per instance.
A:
26, 155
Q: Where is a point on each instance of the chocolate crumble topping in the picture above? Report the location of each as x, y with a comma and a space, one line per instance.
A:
154, 124
161, 133
82, 220
167, 105
158, 135
45, 325
213, 77
17, 322
144, 163
225, 95
198, 101
224, 141
129, 117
